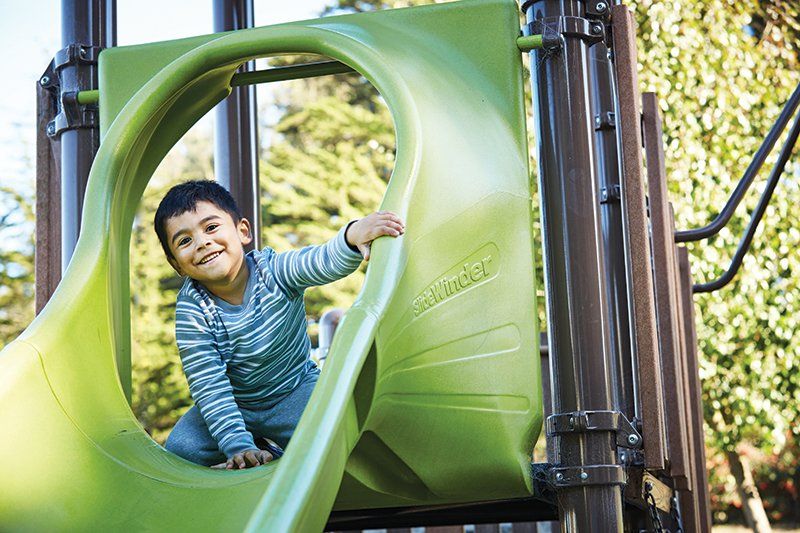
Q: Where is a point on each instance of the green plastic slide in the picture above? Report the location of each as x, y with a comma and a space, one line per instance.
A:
431, 392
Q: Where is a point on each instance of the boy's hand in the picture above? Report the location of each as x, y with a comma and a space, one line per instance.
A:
246, 459
362, 232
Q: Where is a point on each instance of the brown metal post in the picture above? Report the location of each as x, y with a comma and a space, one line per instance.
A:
588, 478
608, 166
88, 26
48, 201
235, 134
639, 257
695, 395
665, 275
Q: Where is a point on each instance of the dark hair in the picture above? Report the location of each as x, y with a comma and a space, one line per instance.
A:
184, 197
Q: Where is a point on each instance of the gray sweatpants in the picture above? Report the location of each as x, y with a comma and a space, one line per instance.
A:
191, 439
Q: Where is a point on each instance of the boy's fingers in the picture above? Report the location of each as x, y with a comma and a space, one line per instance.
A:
251, 459
388, 230
396, 225
266, 457
239, 461
392, 217
220, 466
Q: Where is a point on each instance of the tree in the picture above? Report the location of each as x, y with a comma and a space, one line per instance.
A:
160, 392
16, 263
330, 166
720, 90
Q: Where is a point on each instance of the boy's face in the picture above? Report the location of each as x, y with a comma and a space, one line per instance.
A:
207, 245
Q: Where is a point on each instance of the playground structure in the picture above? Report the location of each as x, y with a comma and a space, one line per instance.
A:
431, 399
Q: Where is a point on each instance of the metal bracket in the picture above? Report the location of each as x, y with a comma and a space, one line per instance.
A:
71, 115
610, 194
598, 9
576, 476
640, 483
628, 457
542, 485
605, 121
555, 29
586, 421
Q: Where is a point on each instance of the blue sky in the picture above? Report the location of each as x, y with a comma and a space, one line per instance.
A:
30, 33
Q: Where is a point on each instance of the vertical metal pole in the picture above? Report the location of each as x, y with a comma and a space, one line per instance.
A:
235, 134
603, 106
91, 23
48, 201
574, 263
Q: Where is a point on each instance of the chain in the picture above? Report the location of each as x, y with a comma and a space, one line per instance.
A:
675, 512
651, 506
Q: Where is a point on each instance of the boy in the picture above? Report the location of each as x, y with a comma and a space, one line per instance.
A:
240, 323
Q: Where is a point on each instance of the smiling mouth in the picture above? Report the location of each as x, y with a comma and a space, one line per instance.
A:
209, 257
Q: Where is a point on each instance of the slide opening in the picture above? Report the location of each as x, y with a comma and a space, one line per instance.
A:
326, 150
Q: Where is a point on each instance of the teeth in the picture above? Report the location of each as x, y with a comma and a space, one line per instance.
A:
209, 258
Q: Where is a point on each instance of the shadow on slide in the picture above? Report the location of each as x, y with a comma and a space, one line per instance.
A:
431, 392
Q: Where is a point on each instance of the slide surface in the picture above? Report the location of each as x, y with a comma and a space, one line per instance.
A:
431, 392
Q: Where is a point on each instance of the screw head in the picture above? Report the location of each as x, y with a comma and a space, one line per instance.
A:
584, 476
633, 440
559, 476
597, 29
44, 80
600, 7
51, 129
571, 422
82, 51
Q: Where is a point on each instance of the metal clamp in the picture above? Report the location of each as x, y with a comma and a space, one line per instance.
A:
71, 114
576, 476
610, 194
555, 29
598, 9
605, 121
586, 421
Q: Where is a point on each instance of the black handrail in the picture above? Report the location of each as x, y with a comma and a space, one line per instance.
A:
763, 202
724, 216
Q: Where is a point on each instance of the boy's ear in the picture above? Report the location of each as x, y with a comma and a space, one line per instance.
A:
245, 232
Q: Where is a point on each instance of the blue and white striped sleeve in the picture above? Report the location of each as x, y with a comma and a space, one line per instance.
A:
315, 265
209, 386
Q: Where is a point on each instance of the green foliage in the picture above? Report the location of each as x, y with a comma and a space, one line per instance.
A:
160, 392
720, 91
330, 166
16, 263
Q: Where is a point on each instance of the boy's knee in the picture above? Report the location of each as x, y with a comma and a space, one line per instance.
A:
177, 445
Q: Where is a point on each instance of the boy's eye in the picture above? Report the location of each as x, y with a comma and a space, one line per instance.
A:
184, 241
212, 227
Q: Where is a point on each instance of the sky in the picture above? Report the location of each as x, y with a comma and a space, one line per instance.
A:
30, 34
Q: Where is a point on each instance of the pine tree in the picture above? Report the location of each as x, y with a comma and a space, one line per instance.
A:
16, 263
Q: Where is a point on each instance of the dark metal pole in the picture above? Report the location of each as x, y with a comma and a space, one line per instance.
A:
603, 105
235, 134
589, 492
87, 26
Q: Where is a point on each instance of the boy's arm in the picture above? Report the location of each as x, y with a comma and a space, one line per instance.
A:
209, 386
297, 270
317, 265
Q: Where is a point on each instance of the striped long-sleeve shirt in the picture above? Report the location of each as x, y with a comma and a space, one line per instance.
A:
250, 354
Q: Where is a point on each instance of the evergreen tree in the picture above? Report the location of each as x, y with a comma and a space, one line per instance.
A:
160, 391
16, 263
